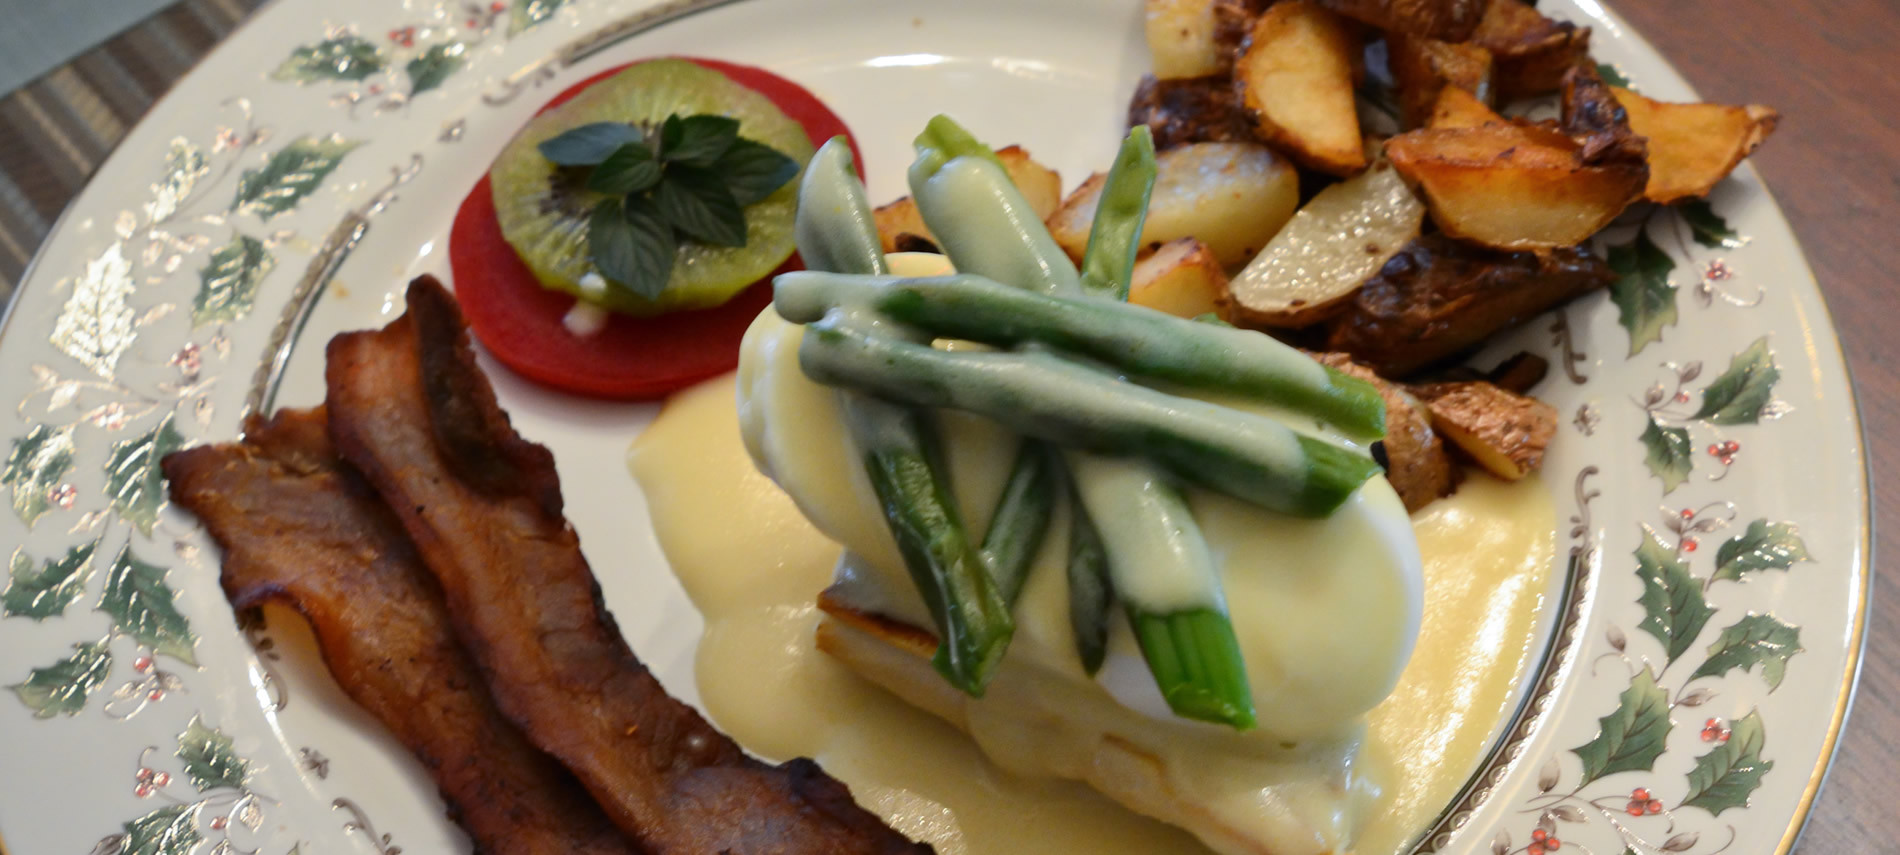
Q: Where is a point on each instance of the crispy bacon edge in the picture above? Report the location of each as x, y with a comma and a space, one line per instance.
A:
412, 411
299, 528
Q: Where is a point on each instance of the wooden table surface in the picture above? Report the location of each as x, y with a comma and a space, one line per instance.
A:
1835, 167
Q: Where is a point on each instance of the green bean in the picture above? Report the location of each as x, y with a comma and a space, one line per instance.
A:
1196, 662
1021, 519
979, 218
1139, 341
1115, 234
834, 231
1250, 457
1089, 589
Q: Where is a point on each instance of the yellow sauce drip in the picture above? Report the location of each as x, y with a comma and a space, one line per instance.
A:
753, 566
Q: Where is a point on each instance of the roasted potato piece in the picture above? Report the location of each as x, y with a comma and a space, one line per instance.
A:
1692, 147
1422, 68
1414, 456
1504, 432
1343, 236
1182, 278
1232, 196
1519, 373
1593, 117
1439, 296
1445, 20
1531, 52
1233, 21
1457, 108
1040, 186
1513, 186
1296, 80
1181, 38
1191, 110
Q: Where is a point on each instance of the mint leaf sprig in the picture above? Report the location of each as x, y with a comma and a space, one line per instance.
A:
691, 181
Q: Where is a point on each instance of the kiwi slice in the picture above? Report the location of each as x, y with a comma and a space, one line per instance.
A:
544, 209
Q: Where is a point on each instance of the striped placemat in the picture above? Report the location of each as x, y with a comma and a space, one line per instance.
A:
57, 129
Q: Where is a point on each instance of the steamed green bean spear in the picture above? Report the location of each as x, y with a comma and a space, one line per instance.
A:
834, 232
1139, 341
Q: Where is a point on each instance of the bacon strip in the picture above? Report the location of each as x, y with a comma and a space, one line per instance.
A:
411, 410
298, 527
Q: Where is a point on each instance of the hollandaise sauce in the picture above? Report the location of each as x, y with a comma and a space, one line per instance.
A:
754, 565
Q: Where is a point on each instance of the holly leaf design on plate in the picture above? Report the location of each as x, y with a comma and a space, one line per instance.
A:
292, 174
134, 481
529, 14
142, 606
1632, 736
34, 467
1612, 76
1674, 609
95, 327
62, 687
1738, 396
46, 592
1763, 546
435, 65
170, 830
1668, 453
1706, 226
346, 57
209, 758
1753, 640
227, 286
1726, 776
1645, 300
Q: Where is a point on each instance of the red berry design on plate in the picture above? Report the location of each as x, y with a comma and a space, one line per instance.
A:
162, 779
1688, 514
1654, 806
1689, 544
142, 664
1682, 397
157, 695
1714, 731
1539, 835
1714, 449
143, 791
217, 824
1551, 844
497, 6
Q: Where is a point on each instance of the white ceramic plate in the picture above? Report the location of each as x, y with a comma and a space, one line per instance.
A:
1704, 636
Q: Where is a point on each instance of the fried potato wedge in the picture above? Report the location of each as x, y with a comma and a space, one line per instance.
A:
1439, 296
1414, 455
1181, 38
1040, 186
1189, 110
1182, 278
1232, 196
1513, 186
1296, 79
1531, 52
1422, 68
1692, 147
1456, 108
1445, 20
1504, 432
1340, 238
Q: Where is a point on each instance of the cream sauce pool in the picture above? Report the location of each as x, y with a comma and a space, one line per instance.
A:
753, 566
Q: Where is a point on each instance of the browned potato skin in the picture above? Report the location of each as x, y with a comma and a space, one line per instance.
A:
1692, 147
1190, 110
1438, 297
1422, 68
1504, 432
1313, 119
1415, 458
1597, 121
1040, 186
1233, 21
1445, 20
1181, 278
1456, 108
1532, 52
1515, 186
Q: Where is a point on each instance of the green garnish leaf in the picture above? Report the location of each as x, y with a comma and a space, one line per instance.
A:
697, 141
690, 180
631, 245
590, 145
698, 204
753, 171
630, 169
